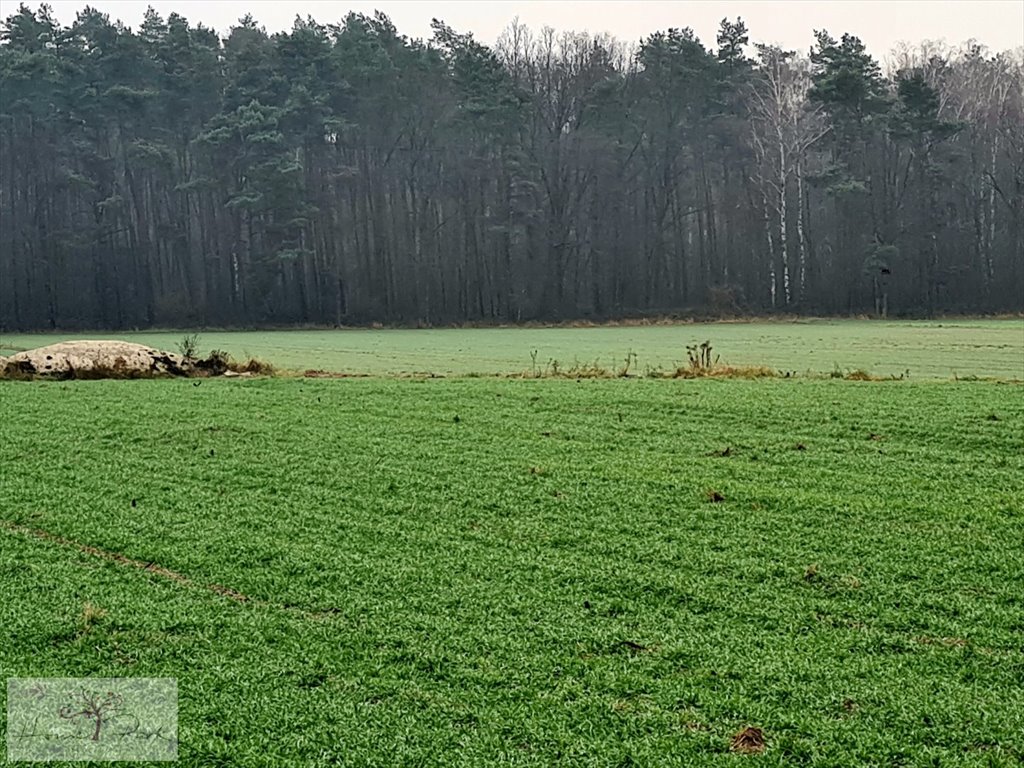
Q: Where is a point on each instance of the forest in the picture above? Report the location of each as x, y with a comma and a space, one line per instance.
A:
345, 174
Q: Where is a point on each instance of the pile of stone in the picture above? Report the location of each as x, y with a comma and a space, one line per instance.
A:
96, 360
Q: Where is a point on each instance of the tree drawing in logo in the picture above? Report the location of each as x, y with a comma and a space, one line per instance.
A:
98, 707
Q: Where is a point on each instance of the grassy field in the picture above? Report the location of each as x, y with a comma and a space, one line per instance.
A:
479, 571
940, 349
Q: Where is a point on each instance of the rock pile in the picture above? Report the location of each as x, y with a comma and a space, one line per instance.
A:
96, 360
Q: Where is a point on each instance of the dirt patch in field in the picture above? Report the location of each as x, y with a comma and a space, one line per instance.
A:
748, 741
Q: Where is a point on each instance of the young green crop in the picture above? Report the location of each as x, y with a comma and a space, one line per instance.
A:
474, 572
939, 349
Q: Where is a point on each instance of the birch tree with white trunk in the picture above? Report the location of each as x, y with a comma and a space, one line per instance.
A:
784, 127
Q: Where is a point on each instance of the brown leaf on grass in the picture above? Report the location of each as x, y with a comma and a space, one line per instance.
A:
749, 741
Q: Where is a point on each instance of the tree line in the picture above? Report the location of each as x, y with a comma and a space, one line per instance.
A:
346, 174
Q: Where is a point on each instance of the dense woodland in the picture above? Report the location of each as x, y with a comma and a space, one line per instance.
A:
343, 174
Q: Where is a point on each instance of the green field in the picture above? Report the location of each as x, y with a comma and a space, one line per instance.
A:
482, 571
939, 349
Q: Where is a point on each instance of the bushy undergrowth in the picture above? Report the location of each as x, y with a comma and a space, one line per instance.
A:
702, 363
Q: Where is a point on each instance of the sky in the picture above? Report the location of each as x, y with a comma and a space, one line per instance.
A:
881, 24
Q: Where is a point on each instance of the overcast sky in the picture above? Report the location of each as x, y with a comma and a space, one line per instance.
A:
999, 24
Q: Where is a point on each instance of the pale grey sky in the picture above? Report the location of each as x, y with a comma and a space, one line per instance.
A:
881, 24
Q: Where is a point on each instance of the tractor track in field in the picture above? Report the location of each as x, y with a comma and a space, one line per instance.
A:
119, 558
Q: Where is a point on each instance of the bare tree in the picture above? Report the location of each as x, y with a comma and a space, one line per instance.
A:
784, 126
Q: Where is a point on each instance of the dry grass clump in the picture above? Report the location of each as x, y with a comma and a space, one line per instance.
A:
254, 366
748, 741
221, 363
720, 371
556, 370
703, 363
861, 375
91, 615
